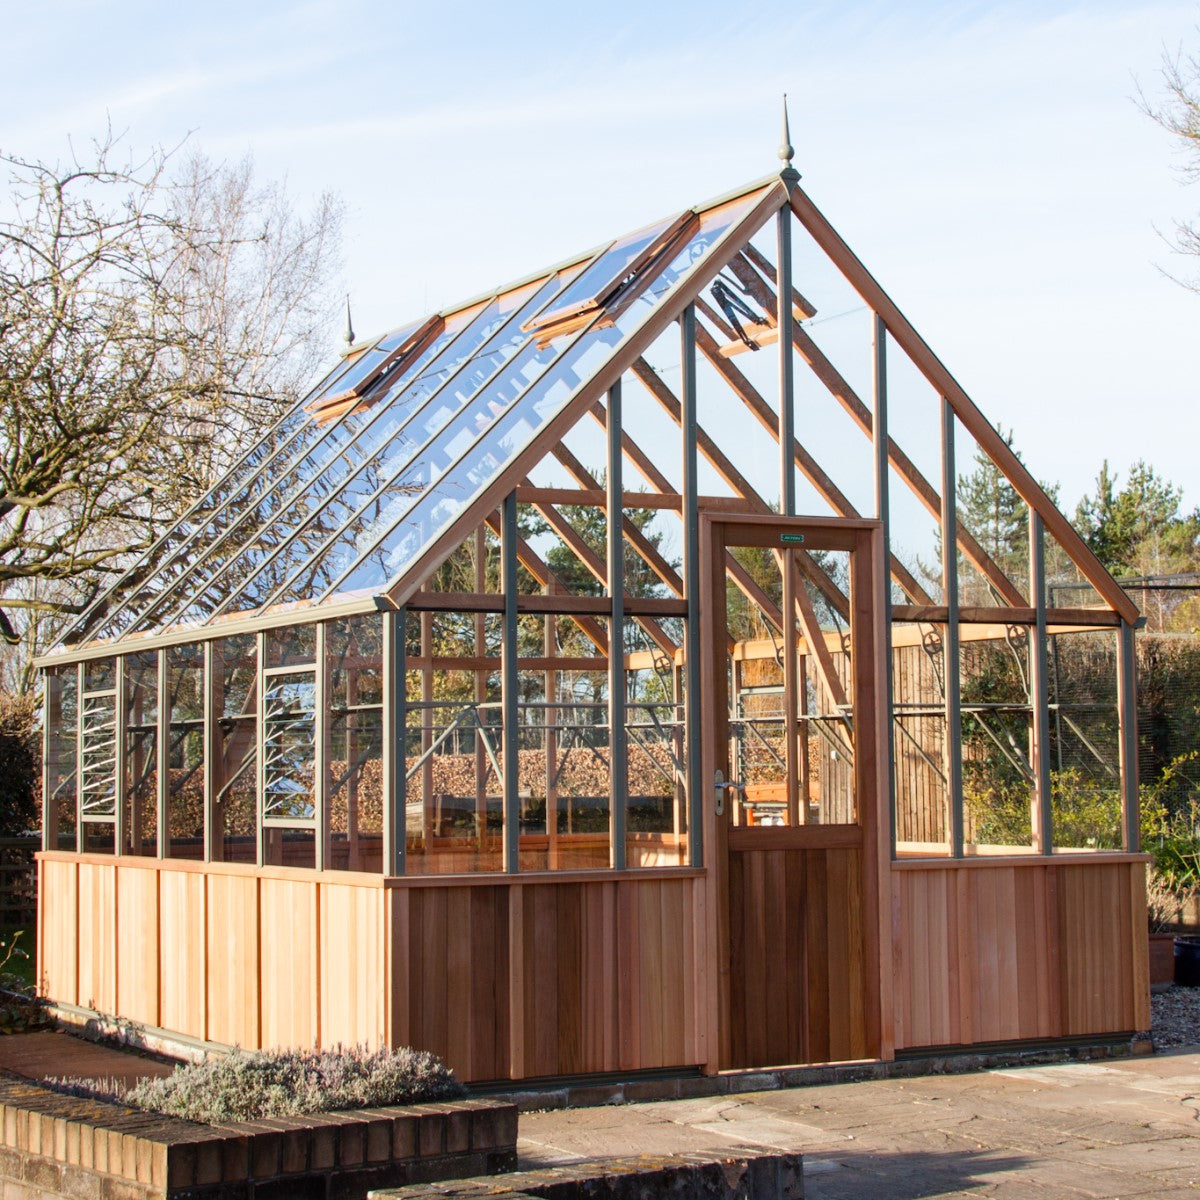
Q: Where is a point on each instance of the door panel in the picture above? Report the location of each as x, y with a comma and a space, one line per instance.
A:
796, 693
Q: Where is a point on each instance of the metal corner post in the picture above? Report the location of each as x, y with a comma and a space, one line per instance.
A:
954, 788
510, 683
879, 435
691, 583
394, 741
1127, 710
1043, 827
618, 776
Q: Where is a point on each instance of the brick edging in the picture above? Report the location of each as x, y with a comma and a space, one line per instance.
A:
54, 1137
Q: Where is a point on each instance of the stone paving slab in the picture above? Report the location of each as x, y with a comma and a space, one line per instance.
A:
1127, 1128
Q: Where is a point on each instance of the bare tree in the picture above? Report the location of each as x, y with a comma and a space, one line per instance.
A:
1179, 115
155, 315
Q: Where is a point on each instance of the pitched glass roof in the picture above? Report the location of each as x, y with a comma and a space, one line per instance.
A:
357, 480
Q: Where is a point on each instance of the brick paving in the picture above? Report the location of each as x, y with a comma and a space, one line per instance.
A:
48, 1054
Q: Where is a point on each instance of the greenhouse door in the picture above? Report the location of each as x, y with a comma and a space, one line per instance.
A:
794, 714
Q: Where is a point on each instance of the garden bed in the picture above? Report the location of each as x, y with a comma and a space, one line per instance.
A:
57, 1145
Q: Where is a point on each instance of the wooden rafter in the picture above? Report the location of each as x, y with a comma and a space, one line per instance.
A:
645, 548
595, 565
925, 492
533, 562
729, 473
924, 359
742, 579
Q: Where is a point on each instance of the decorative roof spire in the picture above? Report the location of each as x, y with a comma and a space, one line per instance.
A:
786, 150
348, 336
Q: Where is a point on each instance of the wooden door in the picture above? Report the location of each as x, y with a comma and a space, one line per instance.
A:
792, 742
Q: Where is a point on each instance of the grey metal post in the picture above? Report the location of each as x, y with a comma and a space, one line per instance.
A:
879, 434
618, 775
260, 772
395, 727
691, 585
787, 413
49, 817
120, 788
79, 843
1043, 817
1127, 709
954, 791
509, 683
320, 751
163, 780
208, 739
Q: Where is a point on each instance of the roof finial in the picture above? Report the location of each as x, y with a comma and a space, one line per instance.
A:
786, 150
348, 336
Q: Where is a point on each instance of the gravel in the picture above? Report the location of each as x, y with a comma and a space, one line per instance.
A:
1175, 1017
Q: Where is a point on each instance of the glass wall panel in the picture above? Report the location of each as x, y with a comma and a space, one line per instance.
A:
1085, 779
284, 847
184, 753
453, 744
291, 646
98, 752
235, 748
289, 746
919, 738
655, 762
62, 734
997, 722
141, 753
354, 737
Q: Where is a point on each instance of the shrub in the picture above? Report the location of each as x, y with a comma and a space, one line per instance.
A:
20, 763
282, 1083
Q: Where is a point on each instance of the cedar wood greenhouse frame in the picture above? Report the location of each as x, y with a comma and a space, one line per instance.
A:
418, 729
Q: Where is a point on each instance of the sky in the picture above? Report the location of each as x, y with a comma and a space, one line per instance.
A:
988, 162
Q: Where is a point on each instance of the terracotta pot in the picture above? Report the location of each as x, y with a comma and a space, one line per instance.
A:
1162, 958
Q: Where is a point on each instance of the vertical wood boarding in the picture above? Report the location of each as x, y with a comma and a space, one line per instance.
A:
798, 957
999, 952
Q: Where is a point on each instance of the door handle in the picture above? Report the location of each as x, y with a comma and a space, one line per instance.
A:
721, 785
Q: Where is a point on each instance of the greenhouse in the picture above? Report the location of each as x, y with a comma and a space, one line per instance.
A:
605, 675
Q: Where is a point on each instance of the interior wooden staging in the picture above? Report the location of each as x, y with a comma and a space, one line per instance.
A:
837, 931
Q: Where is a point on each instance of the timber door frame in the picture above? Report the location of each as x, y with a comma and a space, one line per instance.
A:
870, 678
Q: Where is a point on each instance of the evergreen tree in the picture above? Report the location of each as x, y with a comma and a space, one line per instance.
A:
1141, 528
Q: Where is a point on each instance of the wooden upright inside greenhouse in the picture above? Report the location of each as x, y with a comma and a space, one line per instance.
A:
610, 673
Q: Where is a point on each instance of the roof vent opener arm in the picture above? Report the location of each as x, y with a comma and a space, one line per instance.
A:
732, 305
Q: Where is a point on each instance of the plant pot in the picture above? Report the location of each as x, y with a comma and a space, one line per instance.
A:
1162, 959
1187, 961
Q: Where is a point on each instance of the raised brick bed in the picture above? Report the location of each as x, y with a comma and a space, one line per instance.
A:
60, 1146
740, 1174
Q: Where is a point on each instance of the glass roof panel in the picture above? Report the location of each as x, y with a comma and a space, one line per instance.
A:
606, 269
370, 468
422, 411
353, 439
278, 453
459, 464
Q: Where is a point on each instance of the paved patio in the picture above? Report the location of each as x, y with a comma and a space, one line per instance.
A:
1118, 1128
1122, 1128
